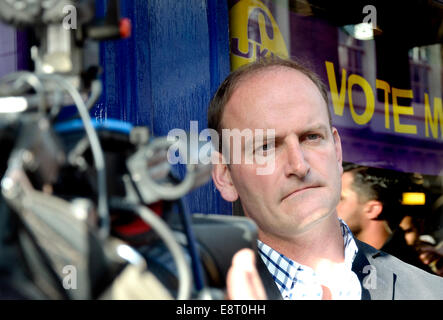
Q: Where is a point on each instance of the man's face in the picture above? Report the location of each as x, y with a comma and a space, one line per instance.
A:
304, 186
411, 231
350, 209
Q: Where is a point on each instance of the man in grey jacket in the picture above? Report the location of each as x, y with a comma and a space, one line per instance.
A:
287, 174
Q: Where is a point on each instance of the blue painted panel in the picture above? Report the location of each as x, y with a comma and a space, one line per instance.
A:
8, 49
164, 75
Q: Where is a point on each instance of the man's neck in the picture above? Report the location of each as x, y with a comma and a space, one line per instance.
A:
375, 234
317, 247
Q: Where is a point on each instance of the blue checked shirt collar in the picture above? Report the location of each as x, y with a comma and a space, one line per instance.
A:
296, 281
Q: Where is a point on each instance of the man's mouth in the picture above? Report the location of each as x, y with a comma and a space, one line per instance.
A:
298, 191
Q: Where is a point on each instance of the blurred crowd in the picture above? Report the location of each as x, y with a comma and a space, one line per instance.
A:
372, 205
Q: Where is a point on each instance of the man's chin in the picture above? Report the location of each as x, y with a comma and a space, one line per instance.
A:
308, 220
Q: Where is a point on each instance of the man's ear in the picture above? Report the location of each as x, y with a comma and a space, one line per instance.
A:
221, 175
338, 150
373, 209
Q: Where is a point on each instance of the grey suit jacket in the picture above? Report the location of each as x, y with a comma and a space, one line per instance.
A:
382, 276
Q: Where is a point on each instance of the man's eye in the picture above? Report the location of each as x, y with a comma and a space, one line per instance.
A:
313, 136
264, 148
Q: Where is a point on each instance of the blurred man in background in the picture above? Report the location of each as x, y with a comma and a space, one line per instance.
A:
370, 204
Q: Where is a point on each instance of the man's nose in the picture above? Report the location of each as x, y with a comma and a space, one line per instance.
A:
296, 161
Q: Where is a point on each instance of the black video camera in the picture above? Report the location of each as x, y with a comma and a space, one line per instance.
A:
92, 210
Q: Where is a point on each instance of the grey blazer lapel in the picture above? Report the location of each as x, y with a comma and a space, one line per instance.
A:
377, 281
